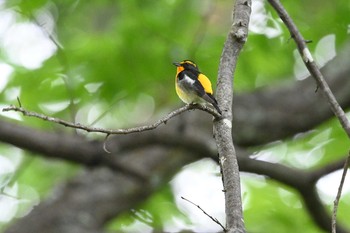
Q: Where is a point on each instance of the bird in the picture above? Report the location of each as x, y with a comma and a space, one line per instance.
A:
192, 86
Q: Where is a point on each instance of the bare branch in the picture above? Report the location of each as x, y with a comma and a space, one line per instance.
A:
112, 131
311, 65
317, 75
211, 217
336, 201
223, 128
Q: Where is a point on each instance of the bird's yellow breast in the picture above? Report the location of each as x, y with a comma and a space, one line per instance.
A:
186, 92
187, 96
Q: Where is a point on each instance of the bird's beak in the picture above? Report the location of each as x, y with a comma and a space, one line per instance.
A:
176, 64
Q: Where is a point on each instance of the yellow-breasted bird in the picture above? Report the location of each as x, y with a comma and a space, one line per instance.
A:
192, 86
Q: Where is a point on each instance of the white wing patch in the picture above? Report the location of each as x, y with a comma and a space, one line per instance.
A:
188, 79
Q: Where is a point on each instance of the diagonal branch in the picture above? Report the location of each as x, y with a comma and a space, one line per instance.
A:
311, 65
211, 217
317, 75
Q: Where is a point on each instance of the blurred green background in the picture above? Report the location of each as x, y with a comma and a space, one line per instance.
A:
109, 64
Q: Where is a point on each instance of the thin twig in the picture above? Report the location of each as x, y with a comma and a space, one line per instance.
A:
340, 188
105, 144
311, 65
112, 131
19, 102
211, 217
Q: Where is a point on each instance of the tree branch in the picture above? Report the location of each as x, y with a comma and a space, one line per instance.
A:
112, 131
300, 180
222, 128
311, 65
336, 201
327, 169
317, 75
211, 217
153, 153
290, 108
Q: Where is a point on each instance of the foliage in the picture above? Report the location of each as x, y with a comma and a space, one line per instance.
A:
108, 61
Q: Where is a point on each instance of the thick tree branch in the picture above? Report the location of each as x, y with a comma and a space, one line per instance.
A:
62, 146
223, 128
301, 181
94, 197
327, 169
151, 153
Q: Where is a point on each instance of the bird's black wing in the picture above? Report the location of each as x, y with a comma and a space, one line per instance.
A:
196, 85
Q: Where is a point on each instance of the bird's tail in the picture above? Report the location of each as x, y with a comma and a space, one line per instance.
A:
208, 97
216, 107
